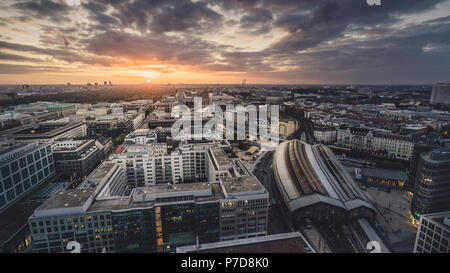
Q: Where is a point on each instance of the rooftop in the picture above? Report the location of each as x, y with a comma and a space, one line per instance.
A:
102, 171
241, 184
110, 204
384, 173
292, 242
173, 188
308, 174
220, 156
67, 199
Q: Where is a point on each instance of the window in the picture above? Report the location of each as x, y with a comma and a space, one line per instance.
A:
2, 200
22, 162
19, 189
14, 166
36, 156
16, 178
26, 184
40, 175
32, 169
24, 173
8, 183
5, 171
10, 195
30, 159
34, 180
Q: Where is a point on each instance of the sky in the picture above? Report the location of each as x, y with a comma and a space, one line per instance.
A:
228, 42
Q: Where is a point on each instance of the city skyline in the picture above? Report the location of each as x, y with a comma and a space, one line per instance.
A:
229, 42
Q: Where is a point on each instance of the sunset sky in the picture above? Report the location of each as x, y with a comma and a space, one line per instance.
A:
213, 41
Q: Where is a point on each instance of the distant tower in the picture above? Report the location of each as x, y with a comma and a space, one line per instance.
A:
440, 94
105, 83
110, 83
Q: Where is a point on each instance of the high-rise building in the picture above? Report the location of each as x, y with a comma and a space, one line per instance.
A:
433, 234
440, 94
22, 168
432, 184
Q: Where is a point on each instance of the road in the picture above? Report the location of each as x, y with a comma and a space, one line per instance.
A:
263, 171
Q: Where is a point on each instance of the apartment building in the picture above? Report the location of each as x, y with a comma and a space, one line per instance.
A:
324, 134
287, 127
400, 146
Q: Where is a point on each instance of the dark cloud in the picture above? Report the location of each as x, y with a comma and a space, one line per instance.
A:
333, 40
54, 10
257, 21
314, 22
68, 56
158, 16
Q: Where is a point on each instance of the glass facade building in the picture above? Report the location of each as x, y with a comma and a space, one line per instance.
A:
22, 168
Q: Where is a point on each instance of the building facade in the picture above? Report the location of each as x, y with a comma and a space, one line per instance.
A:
440, 94
108, 213
432, 184
22, 168
325, 134
76, 158
287, 127
360, 139
433, 234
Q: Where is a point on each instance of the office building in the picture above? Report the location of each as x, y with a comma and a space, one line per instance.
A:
433, 233
110, 127
107, 212
45, 132
432, 184
151, 219
22, 168
76, 158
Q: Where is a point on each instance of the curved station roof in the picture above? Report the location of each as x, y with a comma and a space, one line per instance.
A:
309, 174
